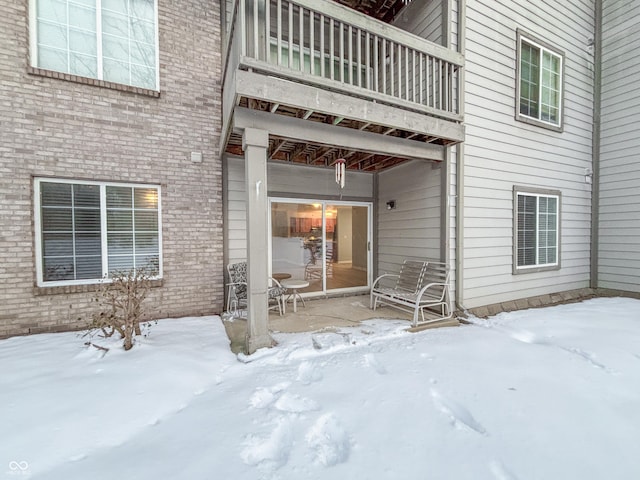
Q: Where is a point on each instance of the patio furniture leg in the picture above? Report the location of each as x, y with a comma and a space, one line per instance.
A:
294, 286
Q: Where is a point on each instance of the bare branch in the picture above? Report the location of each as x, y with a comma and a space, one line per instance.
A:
121, 302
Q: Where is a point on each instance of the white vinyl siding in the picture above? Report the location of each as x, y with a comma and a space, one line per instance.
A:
537, 230
411, 230
501, 152
619, 227
85, 231
111, 40
423, 19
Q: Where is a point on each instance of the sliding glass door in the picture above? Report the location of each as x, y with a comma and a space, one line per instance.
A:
324, 243
348, 247
296, 242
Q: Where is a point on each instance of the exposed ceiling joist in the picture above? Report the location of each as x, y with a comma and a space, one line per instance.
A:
321, 153
385, 10
298, 149
347, 156
359, 159
335, 156
276, 147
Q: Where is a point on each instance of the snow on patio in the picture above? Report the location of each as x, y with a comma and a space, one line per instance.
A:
537, 394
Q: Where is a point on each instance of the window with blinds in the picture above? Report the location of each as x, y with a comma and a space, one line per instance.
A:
537, 230
86, 231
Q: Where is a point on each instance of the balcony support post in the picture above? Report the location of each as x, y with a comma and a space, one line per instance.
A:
255, 143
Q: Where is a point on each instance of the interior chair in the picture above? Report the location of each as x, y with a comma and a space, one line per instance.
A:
313, 268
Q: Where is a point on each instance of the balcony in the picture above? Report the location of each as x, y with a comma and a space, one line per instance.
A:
319, 61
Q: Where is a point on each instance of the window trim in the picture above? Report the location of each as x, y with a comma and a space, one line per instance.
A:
98, 80
544, 46
37, 216
537, 192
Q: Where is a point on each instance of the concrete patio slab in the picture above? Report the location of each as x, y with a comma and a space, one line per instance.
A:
323, 314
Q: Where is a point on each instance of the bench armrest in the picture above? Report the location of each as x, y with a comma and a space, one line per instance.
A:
423, 290
383, 276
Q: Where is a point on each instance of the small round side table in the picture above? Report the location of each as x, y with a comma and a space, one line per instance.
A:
295, 285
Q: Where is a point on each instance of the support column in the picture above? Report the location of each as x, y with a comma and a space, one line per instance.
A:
255, 143
445, 210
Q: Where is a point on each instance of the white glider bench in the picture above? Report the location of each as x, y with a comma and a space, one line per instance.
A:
418, 286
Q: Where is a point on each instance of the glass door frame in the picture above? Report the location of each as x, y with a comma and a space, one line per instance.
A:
324, 203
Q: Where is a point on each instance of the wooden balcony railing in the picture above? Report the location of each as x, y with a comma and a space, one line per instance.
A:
325, 44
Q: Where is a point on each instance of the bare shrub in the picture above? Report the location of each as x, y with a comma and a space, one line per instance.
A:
120, 302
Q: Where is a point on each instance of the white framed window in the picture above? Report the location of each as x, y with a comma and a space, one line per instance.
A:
110, 40
85, 231
539, 83
536, 230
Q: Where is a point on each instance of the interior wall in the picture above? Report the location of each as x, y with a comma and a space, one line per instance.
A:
344, 233
359, 240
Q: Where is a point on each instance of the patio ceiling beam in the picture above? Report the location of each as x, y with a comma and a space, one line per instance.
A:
333, 136
327, 102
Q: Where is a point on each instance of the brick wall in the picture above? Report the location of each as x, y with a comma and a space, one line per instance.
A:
70, 129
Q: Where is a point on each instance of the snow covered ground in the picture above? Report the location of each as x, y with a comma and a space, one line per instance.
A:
550, 393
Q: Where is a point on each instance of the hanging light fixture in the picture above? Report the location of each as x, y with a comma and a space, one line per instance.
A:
340, 171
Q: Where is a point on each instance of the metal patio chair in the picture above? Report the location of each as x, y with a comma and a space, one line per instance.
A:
237, 289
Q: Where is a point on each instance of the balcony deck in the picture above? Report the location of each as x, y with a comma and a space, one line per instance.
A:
317, 61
